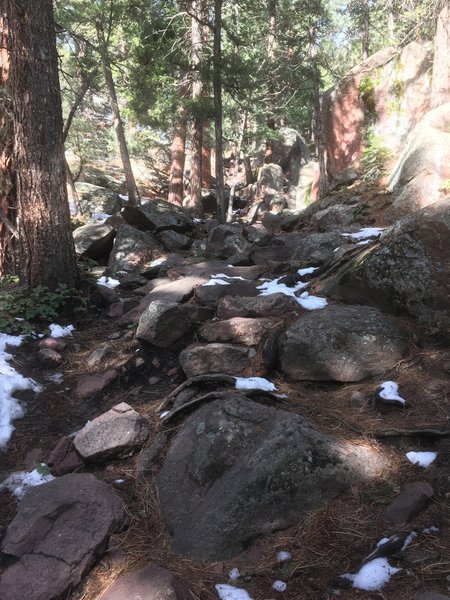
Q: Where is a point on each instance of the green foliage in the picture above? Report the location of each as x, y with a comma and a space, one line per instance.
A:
22, 310
445, 186
374, 158
367, 93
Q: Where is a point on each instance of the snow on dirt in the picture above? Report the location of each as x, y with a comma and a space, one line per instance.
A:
11, 381
389, 391
279, 586
254, 383
422, 459
18, 483
228, 592
57, 331
372, 576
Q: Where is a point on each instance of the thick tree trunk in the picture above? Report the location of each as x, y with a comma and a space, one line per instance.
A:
271, 42
440, 86
133, 194
178, 157
206, 164
46, 249
365, 33
236, 165
195, 202
217, 82
7, 196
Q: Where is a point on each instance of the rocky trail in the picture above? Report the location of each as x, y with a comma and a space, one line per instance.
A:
176, 473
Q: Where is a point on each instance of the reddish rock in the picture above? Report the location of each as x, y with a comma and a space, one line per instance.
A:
275, 305
237, 330
93, 384
210, 294
51, 343
409, 502
70, 463
32, 457
49, 358
200, 359
151, 583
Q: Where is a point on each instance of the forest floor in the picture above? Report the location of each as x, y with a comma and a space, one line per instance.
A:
325, 544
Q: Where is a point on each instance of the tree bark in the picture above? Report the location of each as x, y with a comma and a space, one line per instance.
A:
236, 166
195, 203
440, 85
178, 156
271, 43
7, 196
206, 164
217, 83
46, 249
365, 33
133, 194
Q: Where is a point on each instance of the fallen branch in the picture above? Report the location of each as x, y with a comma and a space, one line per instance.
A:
213, 377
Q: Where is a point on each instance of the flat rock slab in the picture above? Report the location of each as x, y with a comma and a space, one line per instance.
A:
409, 502
237, 330
115, 433
264, 254
58, 532
157, 215
94, 384
237, 470
210, 294
200, 359
149, 583
214, 267
341, 343
275, 305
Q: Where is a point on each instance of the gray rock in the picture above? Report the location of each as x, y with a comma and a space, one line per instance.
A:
113, 434
275, 305
94, 198
94, 241
163, 323
341, 343
237, 330
210, 294
200, 359
238, 470
158, 215
133, 249
48, 358
334, 217
409, 502
90, 385
213, 267
58, 532
149, 583
430, 595
225, 241
174, 241
99, 355
262, 255
270, 179
408, 271
344, 177
317, 248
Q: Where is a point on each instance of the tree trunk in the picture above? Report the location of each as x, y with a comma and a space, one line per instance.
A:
46, 249
271, 42
365, 33
133, 194
217, 81
206, 164
195, 202
178, 156
7, 196
440, 86
73, 190
236, 166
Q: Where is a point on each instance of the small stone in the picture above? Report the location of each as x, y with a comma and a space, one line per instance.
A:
139, 362
172, 372
93, 384
154, 380
357, 400
99, 355
409, 502
114, 311
49, 358
156, 363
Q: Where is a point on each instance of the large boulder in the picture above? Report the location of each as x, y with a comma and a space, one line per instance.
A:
238, 330
201, 359
316, 248
341, 343
238, 470
274, 305
158, 215
59, 530
116, 433
133, 249
163, 323
95, 199
424, 164
270, 179
94, 241
408, 271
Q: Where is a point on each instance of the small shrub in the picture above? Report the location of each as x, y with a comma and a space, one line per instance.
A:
445, 186
374, 158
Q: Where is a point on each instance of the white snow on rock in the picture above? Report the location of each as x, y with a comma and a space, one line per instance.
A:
372, 576
311, 302
389, 391
283, 556
216, 282
223, 276
422, 459
124, 197
234, 574
228, 592
364, 233
57, 331
279, 586
163, 414
108, 282
55, 378
11, 381
254, 383
429, 530
307, 271
274, 287
18, 483
158, 262
409, 540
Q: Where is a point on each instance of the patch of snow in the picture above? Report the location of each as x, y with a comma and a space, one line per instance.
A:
363, 242
254, 383
307, 271
431, 529
18, 483
158, 262
124, 197
163, 414
222, 276
372, 576
422, 459
364, 233
281, 396
283, 556
279, 586
197, 220
234, 574
336, 249
11, 381
273, 287
55, 378
216, 282
57, 331
108, 282
228, 592
389, 391
119, 481
100, 217
409, 540
311, 302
